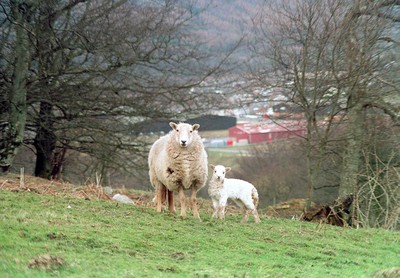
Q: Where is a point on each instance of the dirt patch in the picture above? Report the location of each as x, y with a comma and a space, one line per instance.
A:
388, 273
37, 185
292, 209
46, 262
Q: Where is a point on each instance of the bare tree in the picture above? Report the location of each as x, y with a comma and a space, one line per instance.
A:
297, 42
14, 87
332, 57
99, 68
364, 26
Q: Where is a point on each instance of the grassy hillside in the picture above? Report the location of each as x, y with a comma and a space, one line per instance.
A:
46, 235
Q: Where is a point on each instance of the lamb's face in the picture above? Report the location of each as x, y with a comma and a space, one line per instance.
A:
220, 172
183, 133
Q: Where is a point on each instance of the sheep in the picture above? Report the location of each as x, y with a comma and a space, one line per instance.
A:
178, 162
242, 192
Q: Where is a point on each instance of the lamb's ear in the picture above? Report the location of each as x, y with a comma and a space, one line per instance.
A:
196, 126
212, 166
173, 125
227, 169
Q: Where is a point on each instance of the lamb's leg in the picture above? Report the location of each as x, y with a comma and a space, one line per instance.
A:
182, 200
221, 207
249, 205
221, 212
171, 205
255, 214
215, 208
244, 210
245, 214
194, 204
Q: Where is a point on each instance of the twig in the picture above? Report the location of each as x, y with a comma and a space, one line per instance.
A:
3, 183
22, 178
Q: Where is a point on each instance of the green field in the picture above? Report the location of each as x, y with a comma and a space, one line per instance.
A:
62, 236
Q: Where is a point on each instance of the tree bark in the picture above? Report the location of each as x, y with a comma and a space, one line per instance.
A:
352, 154
15, 128
45, 142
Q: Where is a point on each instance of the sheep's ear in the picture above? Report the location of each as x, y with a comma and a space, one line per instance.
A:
196, 126
173, 125
227, 169
212, 166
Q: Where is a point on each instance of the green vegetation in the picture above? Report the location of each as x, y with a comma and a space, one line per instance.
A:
224, 155
45, 236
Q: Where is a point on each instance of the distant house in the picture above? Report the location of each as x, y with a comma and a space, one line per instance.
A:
286, 110
254, 133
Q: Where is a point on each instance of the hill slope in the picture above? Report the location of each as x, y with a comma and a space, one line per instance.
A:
61, 235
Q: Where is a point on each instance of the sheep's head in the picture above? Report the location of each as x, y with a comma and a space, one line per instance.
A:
219, 172
183, 133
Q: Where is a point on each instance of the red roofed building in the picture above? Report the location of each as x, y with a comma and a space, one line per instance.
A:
255, 133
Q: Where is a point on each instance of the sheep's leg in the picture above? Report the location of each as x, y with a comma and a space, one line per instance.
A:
194, 204
255, 214
171, 205
160, 196
163, 194
182, 201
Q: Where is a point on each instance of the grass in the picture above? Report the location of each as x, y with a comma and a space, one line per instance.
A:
220, 156
44, 236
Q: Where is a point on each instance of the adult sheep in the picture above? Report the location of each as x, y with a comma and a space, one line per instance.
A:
178, 162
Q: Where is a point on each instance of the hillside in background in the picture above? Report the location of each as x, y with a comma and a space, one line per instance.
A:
226, 21
223, 23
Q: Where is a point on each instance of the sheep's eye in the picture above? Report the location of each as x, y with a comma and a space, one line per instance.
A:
177, 130
191, 131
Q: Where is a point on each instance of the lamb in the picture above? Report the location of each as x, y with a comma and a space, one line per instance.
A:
178, 162
242, 192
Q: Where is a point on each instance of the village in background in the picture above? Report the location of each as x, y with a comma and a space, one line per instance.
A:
254, 116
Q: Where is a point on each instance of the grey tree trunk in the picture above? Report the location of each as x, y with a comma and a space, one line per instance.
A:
352, 155
15, 128
45, 140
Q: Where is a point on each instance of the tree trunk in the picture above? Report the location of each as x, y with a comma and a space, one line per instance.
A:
45, 142
15, 128
310, 169
352, 155
352, 159
58, 161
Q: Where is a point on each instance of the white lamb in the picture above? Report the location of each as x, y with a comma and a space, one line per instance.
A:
242, 192
177, 162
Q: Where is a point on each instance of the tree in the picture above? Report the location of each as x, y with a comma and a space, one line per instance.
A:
99, 68
369, 28
331, 57
297, 41
13, 125
364, 27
